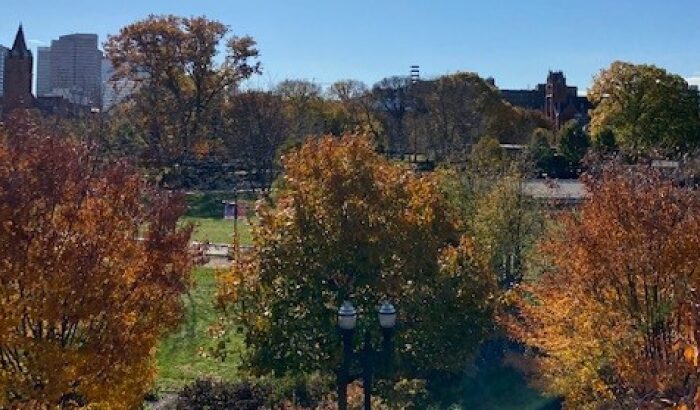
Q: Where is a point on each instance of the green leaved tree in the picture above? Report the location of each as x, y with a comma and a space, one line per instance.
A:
649, 110
348, 224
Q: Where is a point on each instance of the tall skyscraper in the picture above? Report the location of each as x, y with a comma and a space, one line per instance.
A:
43, 71
73, 63
18, 75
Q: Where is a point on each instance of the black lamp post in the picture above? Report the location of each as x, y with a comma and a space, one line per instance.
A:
347, 319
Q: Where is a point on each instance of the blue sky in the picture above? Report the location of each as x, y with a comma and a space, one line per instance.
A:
515, 42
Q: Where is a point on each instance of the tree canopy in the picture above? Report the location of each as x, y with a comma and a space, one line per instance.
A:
573, 142
348, 224
613, 320
650, 111
83, 302
180, 83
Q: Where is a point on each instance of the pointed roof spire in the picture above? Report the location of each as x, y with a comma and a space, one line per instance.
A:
19, 47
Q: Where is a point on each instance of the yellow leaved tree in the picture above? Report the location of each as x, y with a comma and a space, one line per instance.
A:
614, 319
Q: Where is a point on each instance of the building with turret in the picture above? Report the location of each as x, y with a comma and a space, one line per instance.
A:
558, 101
17, 78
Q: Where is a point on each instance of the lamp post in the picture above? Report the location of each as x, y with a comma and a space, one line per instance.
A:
97, 116
347, 320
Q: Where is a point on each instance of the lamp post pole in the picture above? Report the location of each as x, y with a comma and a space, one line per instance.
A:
347, 320
367, 353
344, 370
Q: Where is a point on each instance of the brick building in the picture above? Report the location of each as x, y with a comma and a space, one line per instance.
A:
555, 99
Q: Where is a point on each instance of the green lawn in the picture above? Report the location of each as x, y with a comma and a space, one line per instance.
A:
186, 355
206, 211
218, 230
209, 205
501, 387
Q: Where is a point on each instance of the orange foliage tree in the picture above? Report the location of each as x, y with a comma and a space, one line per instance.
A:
615, 317
83, 301
178, 82
348, 224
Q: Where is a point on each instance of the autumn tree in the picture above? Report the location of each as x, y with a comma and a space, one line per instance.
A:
488, 158
347, 224
487, 162
613, 320
83, 300
650, 111
180, 78
347, 90
515, 125
308, 112
506, 224
255, 128
303, 107
393, 98
458, 109
357, 101
300, 91
445, 115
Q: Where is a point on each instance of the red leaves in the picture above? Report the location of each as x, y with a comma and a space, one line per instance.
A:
83, 302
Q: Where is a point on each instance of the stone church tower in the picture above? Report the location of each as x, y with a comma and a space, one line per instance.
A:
18, 76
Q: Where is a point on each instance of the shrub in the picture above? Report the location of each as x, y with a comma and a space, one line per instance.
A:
306, 391
209, 394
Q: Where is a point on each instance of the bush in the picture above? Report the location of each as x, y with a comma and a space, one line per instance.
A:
307, 391
208, 394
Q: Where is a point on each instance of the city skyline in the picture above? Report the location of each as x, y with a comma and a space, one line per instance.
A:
367, 41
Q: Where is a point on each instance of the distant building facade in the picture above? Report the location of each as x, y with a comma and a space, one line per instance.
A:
71, 68
43, 71
3, 54
115, 91
106, 72
558, 101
